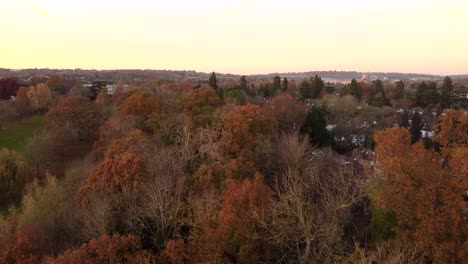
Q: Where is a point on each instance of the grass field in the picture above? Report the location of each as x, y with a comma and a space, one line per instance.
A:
14, 135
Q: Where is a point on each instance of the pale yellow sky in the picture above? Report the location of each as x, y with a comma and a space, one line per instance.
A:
256, 36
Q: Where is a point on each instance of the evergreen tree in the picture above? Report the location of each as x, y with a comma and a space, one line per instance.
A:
243, 84
306, 90
416, 126
315, 127
276, 84
430, 95
399, 90
446, 93
422, 89
404, 120
355, 89
316, 85
285, 84
213, 82
378, 97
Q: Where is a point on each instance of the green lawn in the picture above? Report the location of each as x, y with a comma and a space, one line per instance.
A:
15, 135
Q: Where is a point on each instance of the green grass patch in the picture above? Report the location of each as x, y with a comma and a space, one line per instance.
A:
14, 135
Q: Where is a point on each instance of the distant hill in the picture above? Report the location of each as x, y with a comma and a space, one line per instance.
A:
132, 74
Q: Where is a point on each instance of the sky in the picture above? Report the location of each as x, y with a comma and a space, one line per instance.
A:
242, 37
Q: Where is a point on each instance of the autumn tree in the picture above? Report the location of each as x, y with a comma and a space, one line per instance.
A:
234, 234
288, 112
7, 113
451, 133
314, 205
15, 173
122, 169
243, 128
425, 197
40, 97
201, 103
78, 114
140, 104
22, 103
108, 249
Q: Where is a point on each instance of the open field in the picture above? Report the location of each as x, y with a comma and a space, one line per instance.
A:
14, 135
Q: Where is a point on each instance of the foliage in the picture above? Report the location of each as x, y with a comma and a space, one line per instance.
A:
108, 249
140, 104
288, 112
40, 97
315, 128
424, 196
78, 114
242, 128
15, 173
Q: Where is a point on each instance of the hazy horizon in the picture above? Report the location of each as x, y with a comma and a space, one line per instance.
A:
241, 37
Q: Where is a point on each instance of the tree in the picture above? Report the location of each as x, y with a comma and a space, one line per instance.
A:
288, 112
56, 83
242, 129
306, 90
276, 84
399, 91
201, 103
213, 82
315, 128
108, 249
40, 97
446, 93
355, 89
451, 131
7, 88
122, 169
430, 96
243, 84
422, 89
22, 103
415, 127
140, 104
14, 175
78, 114
424, 196
316, 86
7, 113
378, 97
284, 85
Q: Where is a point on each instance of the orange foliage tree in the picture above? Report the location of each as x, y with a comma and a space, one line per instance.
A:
22, 103
27, 247
123, 167
243, 128
108, 249
425, 197
140, 104
234, 234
